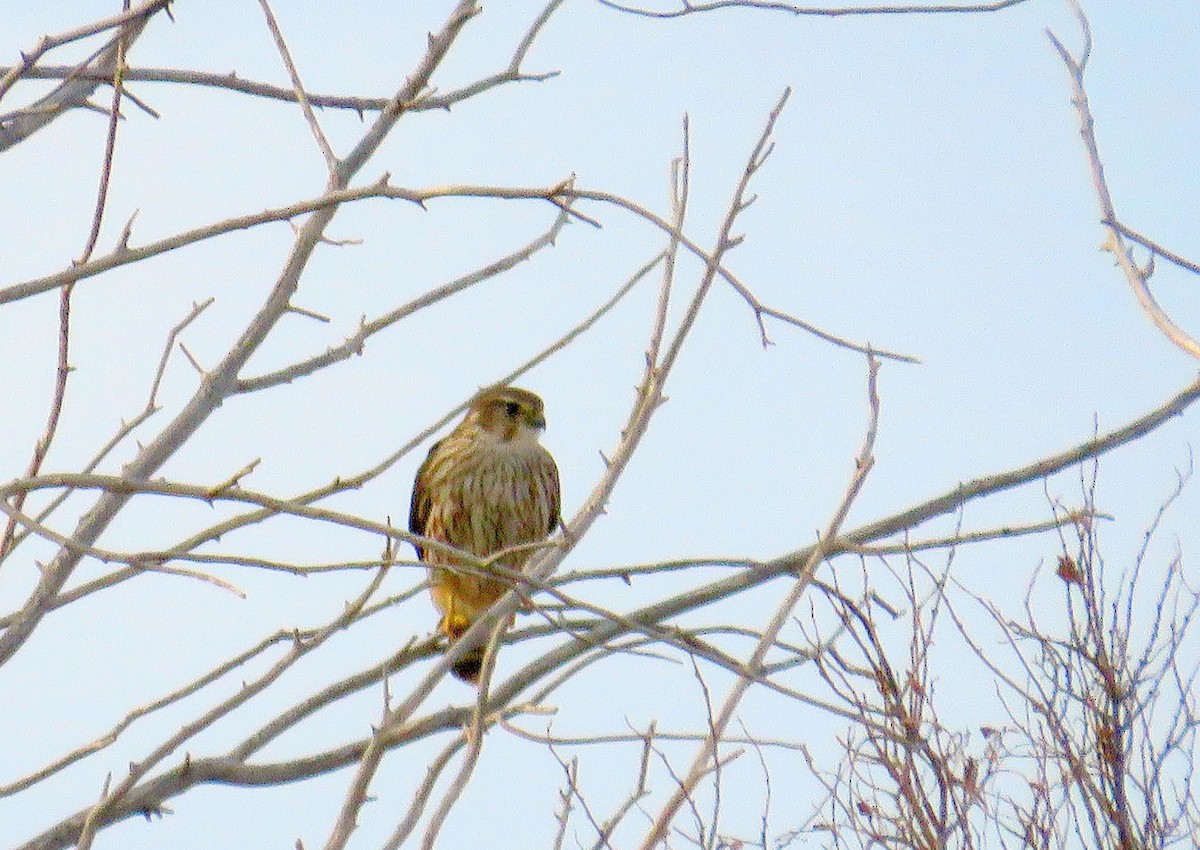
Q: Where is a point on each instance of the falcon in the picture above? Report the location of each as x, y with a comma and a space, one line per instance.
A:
486, 487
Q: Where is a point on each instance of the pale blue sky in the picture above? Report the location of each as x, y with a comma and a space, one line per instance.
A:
928, 194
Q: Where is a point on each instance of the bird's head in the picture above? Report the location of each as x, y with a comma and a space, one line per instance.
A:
508, 414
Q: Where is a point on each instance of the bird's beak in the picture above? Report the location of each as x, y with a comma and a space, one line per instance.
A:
537, 421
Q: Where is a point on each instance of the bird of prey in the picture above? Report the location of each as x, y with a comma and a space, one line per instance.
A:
486, 487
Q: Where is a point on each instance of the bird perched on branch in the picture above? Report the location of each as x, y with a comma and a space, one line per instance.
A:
486, 487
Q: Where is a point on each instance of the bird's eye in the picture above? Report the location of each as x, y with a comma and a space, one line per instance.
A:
512, 408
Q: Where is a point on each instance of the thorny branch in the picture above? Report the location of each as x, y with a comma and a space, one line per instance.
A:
221, 382
706, 755
63, 368
586, 632
81, 81
563, 196
331, 160
126, 428
600, 634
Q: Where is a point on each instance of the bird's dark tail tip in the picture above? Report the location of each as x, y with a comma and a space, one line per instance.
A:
469, 666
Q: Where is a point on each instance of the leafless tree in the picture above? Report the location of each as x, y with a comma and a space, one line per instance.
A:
1099, 746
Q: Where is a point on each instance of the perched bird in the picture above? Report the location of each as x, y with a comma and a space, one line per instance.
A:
487, 486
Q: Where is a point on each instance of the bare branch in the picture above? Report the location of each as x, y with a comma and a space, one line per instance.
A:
1155, 248
707, 753
354, 343
74, 92
108, 808
126, 428
562, 195
63, 369
690, 8
1068, 519
331, 160
220, 383
47, 43
1138, 278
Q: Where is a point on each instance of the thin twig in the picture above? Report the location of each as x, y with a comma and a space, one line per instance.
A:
219, 383
113, 734
74, 92
63, 366
689, 8
1137, 277
354, 344
681, 169
127, 427
1155, 248
331, 160
707, 755
423, 794
99, 814
958, 539
562, 195
48, 43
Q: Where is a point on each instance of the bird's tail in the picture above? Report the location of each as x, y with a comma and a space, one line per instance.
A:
467, 668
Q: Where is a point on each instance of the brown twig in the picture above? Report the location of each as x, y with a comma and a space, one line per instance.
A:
127, 427
63, 366
42, 446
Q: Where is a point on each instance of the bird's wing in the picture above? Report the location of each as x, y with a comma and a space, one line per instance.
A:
553, 491
418, 512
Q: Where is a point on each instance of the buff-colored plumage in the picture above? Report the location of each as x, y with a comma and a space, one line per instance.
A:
488, 486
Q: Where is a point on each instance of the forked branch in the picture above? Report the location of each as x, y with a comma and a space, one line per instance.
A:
1138, 277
